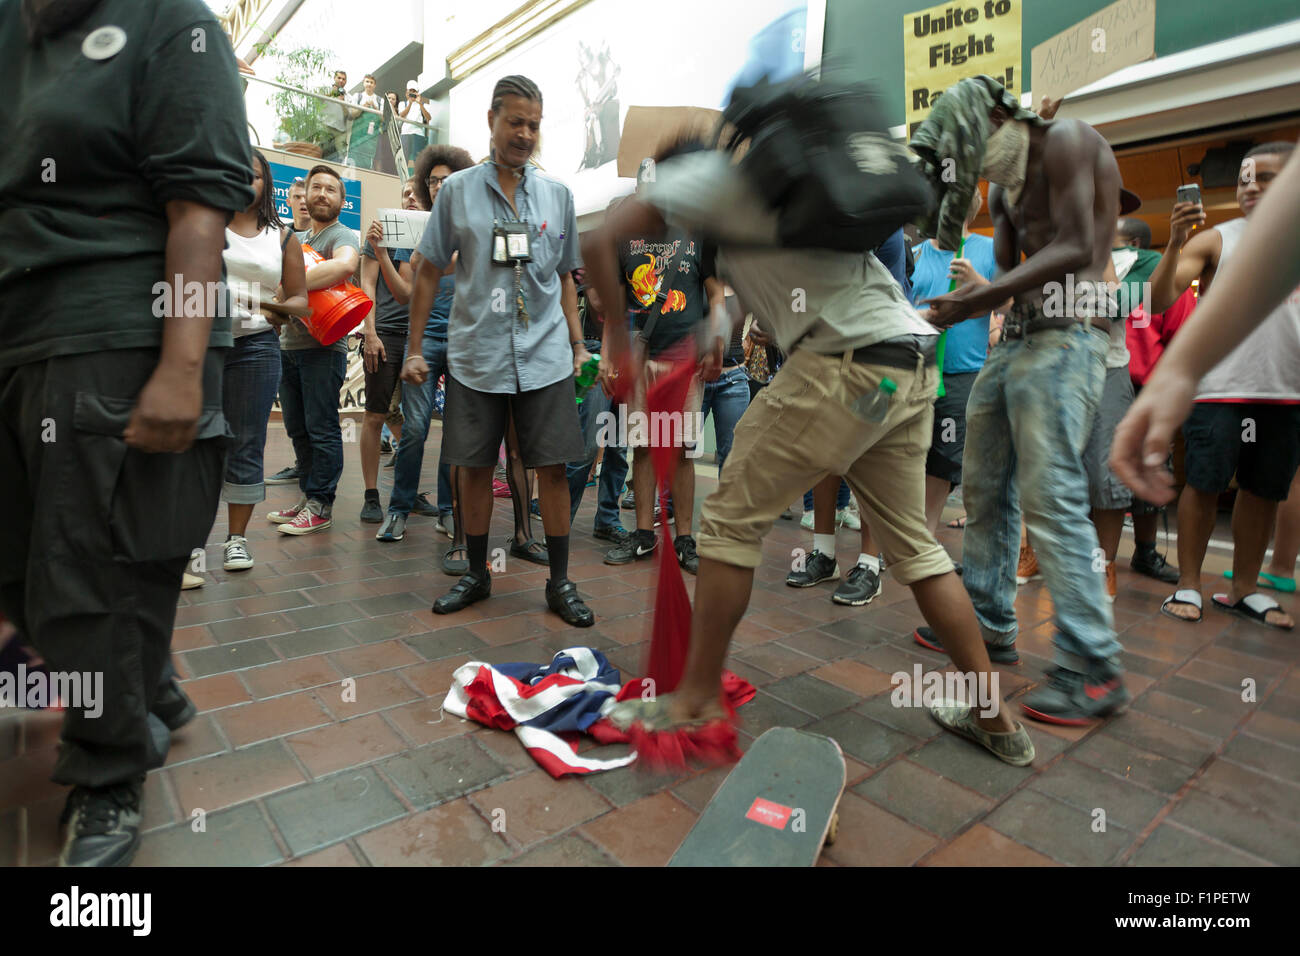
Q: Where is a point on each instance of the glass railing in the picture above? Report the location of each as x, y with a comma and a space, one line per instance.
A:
298, 121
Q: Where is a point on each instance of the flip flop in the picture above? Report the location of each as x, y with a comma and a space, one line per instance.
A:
1253, 607
1273, 582
958, 523
1184, 596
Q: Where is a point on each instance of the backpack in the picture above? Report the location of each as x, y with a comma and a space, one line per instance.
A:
821, 155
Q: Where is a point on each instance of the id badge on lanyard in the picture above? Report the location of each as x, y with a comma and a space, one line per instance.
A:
512, 246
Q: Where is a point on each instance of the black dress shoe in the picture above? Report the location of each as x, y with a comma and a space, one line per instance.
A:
563, 599
103, 824
174, 707
468, 590
1153, 564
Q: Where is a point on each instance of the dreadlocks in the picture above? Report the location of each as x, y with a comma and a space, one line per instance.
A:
266, 214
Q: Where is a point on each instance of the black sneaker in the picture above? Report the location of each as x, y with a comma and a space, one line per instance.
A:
285, 476
998, 653
818, 568
860, 586
423, 507
684, 545
611, 532
103, 824
1153, 564
564, 600
629, 501
372, 512
640, 544
1076, 699
174, 707
470, 589
385, 447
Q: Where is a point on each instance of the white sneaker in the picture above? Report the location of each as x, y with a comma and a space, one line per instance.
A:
848, 518
288, 514
807, 520
238, 557
190, 581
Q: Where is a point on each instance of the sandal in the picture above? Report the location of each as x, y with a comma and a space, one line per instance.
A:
1183, 596
530, 550
1253, 607
456, 567
958, 523
1274, 582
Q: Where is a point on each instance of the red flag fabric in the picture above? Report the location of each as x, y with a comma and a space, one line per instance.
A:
670, 634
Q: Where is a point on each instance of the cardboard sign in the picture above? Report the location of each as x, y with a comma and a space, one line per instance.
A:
402, 227
647, 128
945, 44
1117, 36
769, 814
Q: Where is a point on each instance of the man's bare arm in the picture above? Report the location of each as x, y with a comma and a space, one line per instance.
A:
1180, 266
334, 270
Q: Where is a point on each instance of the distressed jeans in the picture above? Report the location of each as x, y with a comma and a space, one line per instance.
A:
1027, 422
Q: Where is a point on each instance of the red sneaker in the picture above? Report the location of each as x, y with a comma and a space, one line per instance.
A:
500, 489
306, 521
288, 514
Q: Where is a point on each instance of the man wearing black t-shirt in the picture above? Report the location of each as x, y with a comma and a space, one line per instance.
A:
112, 438
671, 287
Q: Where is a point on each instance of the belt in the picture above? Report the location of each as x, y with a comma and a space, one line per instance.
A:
901, 352
1025, 321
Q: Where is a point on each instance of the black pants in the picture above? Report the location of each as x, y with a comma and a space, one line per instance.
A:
95, 539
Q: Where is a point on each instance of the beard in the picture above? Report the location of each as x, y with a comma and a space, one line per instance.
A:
321, 213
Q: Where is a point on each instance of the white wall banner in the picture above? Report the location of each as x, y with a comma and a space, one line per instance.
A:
596, 62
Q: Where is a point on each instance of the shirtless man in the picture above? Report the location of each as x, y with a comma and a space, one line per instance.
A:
1031, 408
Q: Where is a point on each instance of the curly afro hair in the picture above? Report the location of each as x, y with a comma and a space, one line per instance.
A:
453, 157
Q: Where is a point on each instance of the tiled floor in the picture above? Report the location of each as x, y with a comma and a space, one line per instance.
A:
290, 762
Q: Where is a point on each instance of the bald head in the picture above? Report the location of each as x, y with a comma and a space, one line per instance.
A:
1134, 232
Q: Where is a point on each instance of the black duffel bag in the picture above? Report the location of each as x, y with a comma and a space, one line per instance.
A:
820, 154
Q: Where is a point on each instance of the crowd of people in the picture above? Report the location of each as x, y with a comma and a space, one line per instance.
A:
937, 360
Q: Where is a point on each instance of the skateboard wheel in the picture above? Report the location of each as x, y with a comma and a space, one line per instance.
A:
834, 829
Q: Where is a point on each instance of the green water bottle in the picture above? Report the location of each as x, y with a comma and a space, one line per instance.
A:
587, 376
874, 406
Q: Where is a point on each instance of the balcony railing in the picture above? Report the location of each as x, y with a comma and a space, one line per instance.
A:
299, 121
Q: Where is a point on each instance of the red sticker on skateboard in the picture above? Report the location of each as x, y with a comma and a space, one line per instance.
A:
768, 813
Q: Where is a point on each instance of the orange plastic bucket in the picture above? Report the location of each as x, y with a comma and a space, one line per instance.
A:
335, 311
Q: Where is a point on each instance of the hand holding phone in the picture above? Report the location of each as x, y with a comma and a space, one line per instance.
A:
1188, 214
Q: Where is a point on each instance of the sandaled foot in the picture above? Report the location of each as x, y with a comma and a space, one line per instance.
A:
662, 713
1183, 605
958, 523
530, 550
1258, 608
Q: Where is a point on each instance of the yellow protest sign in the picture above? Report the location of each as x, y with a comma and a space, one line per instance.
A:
944, 44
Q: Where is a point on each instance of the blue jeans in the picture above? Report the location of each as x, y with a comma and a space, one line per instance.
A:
417, 409
249, 384
613, 470
309, 401
1027, 422
727, 398
841, 497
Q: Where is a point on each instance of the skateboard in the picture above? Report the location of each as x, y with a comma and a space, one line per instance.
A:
776, 808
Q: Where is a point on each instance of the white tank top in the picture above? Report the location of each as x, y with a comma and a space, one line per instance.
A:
1266, 366
253, 267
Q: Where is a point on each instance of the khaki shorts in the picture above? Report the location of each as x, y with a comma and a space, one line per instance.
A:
798, 430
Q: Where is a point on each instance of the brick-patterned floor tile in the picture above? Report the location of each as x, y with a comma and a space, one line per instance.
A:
351, 743
1240, 822
220, 690
568, 850
536, 806
868, 836
1163, 774
983, 846
364, 695
264, 719
450, 835
1171, 845
230, 778
318, 814
644, 833
923, 798
856, 677
442, 771
337, 855
235, 837
1060, 831
285, 677
868, 740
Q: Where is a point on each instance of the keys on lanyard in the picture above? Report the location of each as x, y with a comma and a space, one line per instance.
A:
521, 306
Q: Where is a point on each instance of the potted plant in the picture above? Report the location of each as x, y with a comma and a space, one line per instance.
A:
301, 117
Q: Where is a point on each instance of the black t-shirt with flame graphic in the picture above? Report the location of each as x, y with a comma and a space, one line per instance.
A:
666, 276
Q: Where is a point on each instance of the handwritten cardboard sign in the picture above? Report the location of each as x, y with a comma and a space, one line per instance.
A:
1114, 37
402, 227
646, 128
